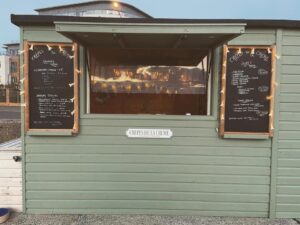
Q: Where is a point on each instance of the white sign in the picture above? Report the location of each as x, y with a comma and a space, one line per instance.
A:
149, 133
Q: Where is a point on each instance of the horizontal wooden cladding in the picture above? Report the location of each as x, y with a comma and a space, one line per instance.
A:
282, 180
287, 198
12, 191
11, 173
121, 131
252, 39
147, 168
288, 207
46, 35
288, 215
149, 204
289, 135
290, 60
290, 69
149, 159
14, 208
147, 186
149, 177
293, 50
9, 164
153, 122
290, 88
291, 144
291, 32
289, 172
289, 124
11, 200
290, 107
142, 195
139, 211
290, 98
288, 189
8, 182
290, 40
287, 153
290, 79
123, 140
8, 155
148, 150
289, 163
285, 117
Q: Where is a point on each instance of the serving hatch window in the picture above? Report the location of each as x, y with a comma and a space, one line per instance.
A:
167, 82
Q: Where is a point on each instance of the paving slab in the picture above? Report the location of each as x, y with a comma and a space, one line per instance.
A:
27, 219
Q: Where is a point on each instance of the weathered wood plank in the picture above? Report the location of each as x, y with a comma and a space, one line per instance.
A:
9, 164
147, 168
154, 122
291, 69
290, 60
289, 125
123, 140
292, 144
291, 50
289, 135
140, 159
8, 182
291, 40
290, 163
146, 150
120, 131
286, 117
147, 211
287, 153
290, 79
153, 204
289, 98
254, 39
143, 195
290, 88
149, 177
290, 107
11, 200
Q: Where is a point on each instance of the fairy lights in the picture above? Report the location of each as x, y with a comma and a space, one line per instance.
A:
49, 47
31, 47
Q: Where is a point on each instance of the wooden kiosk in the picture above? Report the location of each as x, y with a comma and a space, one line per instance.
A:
160, 116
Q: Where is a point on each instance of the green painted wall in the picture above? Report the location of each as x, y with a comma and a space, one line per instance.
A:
194, 173
288, 189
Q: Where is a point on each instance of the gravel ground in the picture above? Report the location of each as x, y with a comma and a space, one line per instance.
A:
25, 219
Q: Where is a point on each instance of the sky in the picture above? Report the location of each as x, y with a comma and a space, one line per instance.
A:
195, 9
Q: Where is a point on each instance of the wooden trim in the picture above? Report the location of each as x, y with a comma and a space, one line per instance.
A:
74, 46
222, 131
26, 85
272, 92
223, 91
76, 90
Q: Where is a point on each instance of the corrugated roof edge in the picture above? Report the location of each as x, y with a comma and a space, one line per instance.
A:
90, 3
36, 20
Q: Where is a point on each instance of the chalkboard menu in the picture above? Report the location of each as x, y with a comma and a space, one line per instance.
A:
247, 90
51, 87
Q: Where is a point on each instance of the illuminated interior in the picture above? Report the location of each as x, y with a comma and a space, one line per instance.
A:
135, 84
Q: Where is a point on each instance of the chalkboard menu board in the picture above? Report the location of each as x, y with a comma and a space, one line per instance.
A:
51, 87
247, 90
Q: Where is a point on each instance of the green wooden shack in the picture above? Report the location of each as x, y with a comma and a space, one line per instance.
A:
153, 101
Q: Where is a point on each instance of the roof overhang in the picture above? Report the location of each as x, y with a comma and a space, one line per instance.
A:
150, 35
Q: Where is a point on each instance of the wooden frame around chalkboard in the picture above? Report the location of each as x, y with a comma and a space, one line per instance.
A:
273, 84
74, 46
